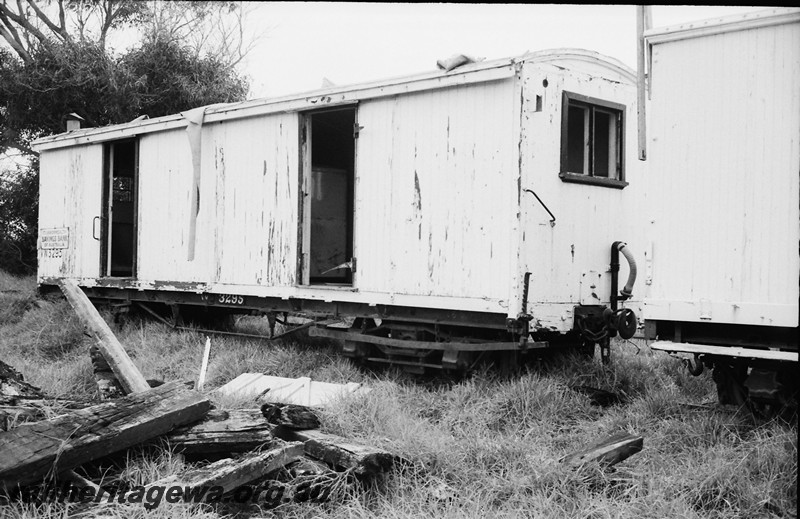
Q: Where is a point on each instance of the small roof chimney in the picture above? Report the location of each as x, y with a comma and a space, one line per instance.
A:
73, 121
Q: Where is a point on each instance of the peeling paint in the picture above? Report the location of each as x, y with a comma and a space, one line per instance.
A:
417, 194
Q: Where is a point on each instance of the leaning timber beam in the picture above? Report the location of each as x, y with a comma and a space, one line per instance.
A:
607, 452
236, 430
340, 452
33, 452
130, 378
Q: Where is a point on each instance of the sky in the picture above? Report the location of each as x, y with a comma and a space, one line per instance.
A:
304, 42
301, 43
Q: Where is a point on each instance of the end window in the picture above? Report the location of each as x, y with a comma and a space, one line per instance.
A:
592, 136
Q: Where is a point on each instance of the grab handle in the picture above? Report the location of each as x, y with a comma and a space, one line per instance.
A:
94, 227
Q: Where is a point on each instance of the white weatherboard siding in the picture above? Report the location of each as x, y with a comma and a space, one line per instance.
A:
566, 258
249, 195
440, 174
70, 197
724, 159
165, 173
435, 192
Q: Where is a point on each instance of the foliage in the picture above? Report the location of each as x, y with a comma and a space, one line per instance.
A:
159, 77
57, 61
484, 446
19, 208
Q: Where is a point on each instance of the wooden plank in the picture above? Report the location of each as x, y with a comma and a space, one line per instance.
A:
121, 364
237, 430
340, 452
607, 452
201, 378
32, 452
232, 473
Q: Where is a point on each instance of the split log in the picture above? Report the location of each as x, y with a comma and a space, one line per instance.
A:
32, 452
130, 378
238, 430
340, 452
232, 473
607, 452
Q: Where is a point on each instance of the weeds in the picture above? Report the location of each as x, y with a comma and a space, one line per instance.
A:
485, 446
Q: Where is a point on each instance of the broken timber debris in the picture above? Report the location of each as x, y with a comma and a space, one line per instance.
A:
607, 452
292, 416
32, 452
201, 378
107, 383
237, 430
233, 473
121, 364
12, 384
340, 452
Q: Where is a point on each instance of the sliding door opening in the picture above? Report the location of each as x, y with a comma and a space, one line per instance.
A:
120, 186
328, 147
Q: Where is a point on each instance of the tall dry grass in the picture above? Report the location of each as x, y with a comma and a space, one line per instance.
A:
485, 446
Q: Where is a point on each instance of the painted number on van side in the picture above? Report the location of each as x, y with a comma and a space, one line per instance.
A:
228, 299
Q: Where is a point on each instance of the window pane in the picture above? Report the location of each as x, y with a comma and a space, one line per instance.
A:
601, 143
576, 139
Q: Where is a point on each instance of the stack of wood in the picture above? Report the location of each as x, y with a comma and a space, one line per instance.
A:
278, 446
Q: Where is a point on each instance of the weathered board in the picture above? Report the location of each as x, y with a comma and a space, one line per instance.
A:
34, 451
607, 452
340, 452
228, 474
115, 355
236, 430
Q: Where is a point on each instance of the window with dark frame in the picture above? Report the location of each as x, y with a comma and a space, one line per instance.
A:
592, 137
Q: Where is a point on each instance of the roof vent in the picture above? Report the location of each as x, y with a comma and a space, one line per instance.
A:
73, 121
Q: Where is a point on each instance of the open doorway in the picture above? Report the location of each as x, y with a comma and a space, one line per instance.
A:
328, 181
120, 186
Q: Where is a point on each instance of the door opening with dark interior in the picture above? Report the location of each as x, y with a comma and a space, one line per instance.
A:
328, 202
120, 189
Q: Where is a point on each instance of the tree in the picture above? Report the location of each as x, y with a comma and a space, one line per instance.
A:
58, 58
59, 62
19, 207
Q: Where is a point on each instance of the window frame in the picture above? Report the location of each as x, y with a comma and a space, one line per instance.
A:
571, 98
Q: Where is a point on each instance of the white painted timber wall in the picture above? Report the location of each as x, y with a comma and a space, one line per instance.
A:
438, 221
70, 194
251, 169
724, 158
165, 175
435, 193
569, 261
247, 222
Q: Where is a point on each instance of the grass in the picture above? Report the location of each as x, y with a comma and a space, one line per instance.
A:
485, 446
